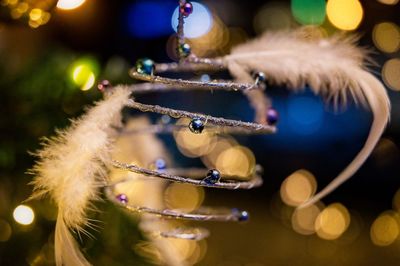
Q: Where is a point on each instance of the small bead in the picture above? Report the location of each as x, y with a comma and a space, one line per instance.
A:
160, 164
259, 77
186, 9
272, 116
104, 85
243, 216
213, 176
145, 66
122, 198
196, 125
184, 50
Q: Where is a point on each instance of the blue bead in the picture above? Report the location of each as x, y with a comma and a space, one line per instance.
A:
272, 116
259, 77
160, 164
186, 9
243, 216
213, 176
196, 125
145, 66
184, 50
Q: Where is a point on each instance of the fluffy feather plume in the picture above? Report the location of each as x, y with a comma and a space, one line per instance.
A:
333, 67
71, 169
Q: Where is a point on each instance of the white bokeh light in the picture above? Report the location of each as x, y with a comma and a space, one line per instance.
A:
23, 215
196, 24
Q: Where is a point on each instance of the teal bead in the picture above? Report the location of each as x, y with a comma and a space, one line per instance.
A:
184, 50
145, 66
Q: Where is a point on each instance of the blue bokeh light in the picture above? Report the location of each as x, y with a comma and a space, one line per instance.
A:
150, 19
305, 113
196, 24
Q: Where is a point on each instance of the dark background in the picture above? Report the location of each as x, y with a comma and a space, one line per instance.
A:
36, 96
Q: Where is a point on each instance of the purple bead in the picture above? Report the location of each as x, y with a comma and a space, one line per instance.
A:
103, 85
122, 198
186, 9
272, 116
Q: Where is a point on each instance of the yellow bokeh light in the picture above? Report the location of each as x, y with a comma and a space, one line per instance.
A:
391, 74
141, 192
298, 188
385, 229
272, 16
184, 196
69, 4
193, 145
303, 220
386, 37
183, 247
83, 76
23, 215
344, 14
35, 14
5, 231
396, 201
236, 161
222, 143
332, 222
217, 37
22, 7
388, 2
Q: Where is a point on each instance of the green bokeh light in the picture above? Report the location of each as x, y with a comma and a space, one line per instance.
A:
309, 12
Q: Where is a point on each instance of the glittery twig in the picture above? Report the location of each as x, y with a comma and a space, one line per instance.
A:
192, 84
202, 214
261, 128
192, 177
191, 64
171, 128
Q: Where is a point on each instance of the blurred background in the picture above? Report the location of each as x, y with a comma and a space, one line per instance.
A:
53, 54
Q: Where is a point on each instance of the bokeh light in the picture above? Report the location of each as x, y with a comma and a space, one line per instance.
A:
391, 74
5, 231
193, 145
388, 2
272, 16
215, 40
142, 21
303, 220
184, 196
197, 24
23, 215
236, 161
385, 229
332, 222
309, 12
69, 4
345, 14
386, 37
298, 187
396, 201
305, 114
83, 73
221, 144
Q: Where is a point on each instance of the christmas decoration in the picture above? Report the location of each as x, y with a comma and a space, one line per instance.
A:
77, 163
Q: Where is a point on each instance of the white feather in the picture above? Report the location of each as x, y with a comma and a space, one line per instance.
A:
71, 169
333, 67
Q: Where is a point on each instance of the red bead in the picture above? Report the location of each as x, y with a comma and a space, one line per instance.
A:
103, 85
186, 9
